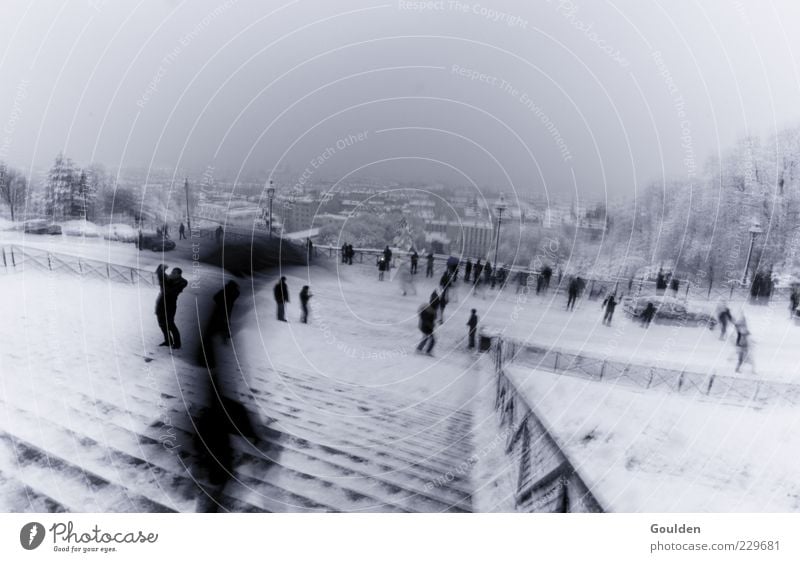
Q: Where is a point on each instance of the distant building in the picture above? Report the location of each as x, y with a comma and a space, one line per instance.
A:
474, 240
298, 214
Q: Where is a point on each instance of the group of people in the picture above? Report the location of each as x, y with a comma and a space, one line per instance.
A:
281, 294
347, 253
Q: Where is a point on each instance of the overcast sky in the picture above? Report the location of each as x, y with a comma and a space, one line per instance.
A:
539, 96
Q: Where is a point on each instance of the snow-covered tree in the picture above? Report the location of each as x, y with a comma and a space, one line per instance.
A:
13, 189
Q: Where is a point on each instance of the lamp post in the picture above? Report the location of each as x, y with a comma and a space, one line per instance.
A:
500, 207
270, 195
754, 231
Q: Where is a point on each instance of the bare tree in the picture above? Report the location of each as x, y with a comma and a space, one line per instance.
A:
13, 189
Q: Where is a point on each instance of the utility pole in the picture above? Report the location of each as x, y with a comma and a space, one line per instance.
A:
188, 217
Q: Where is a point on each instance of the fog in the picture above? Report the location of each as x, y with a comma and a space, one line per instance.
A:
593, 98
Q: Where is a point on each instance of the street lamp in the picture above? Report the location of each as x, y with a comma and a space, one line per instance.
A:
270, 195
500, 206
754, 231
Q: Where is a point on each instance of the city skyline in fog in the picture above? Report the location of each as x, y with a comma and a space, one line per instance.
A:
560, 99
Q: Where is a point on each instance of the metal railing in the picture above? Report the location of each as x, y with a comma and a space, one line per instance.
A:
17, 258
746, 392
547, 481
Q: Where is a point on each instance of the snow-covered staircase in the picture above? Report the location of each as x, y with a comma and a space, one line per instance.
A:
323, 446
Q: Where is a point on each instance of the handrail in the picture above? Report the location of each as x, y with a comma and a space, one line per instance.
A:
547, 480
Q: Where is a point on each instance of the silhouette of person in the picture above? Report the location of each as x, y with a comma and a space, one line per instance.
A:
281, 292
305, 296
167, 304
472, 323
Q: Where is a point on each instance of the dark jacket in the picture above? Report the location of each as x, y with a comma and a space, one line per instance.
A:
304, 296
281, 292
473, 323
427, 319
171, 287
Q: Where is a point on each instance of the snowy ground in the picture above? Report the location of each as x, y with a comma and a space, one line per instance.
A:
646, 451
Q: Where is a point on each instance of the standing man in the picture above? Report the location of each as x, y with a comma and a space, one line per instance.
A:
427, 321
724, 315
414, 261
224, 300
219, 233
167, 304
467, 270
472, 323
610, 303
387, 255
309, 248
429, 268
573, 294
281, 298
305, 296
181, 232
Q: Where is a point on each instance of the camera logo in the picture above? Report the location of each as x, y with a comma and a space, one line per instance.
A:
31, 535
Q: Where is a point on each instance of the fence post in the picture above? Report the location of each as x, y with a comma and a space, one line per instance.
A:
4, 257
602, 369
650, 380
49, 264
555, 366
13, 260
710, 383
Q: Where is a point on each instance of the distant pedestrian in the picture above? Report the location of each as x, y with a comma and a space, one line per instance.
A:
344, 253
281, 293
478, 272
725, 317
648, 314
487, 272
309, 249
167, 304
166, 230
522, 280
224, 300
181, 232
350, 253
467, 270
218, 234
381, 267
547, 273
427, 323
610, 304
472, 323
744, 351
572, 294
387, 254
305, 296
429, 267
414, 261
794, 301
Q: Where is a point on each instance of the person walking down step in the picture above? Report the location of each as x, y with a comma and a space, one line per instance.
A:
305, 296
610, 304
472, 324
281, 292
427, 323
725, 317
167, 304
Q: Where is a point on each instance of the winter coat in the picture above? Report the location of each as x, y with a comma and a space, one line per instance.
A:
427, 319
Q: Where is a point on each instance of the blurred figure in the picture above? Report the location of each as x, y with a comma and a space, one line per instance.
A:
724, 316
472, 324
305, 296
429, 268
648, 314
224, 300
744, 351
281, 292
427, 323
414, 261
167, 304
219, 233
181, 232
573, 294
381, 267
610, 303
467, 270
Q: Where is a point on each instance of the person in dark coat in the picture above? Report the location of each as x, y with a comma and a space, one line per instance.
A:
350, 253
344, 253
309, 249
725, 317
487, 272
610, 304
467, 270
305, 296
429, 268
181, 232
648, 314
522, 280
414, 261
218, 234
478, 272
573, 294
281, 292
387, 254
381, 267
547, 273
472, 323
224, 300
794, 301
167, 304
427, 323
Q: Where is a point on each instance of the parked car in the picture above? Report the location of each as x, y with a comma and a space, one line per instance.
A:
40, 226
669, 310
155, 242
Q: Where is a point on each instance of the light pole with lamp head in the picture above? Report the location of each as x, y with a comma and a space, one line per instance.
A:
754, 231
270, 196
500, 206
